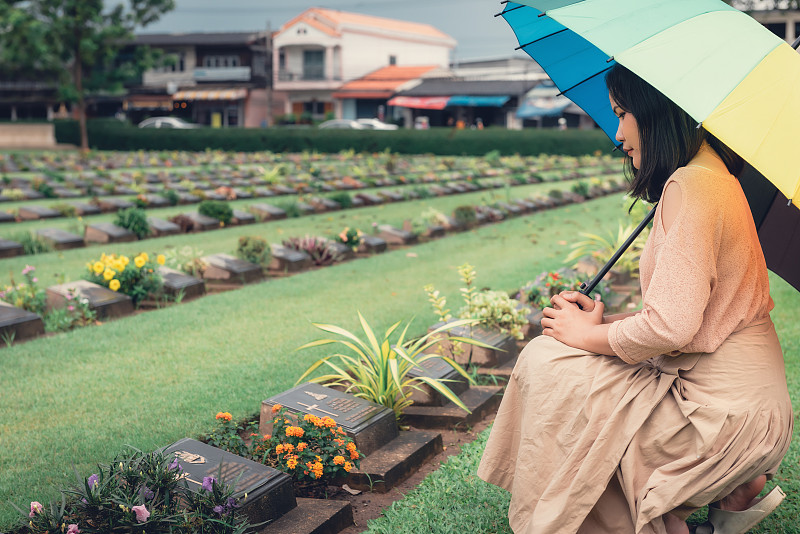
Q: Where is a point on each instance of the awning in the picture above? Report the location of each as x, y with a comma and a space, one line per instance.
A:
211, 94
478, 101
147, 102
529, 110
420, 102
374, 95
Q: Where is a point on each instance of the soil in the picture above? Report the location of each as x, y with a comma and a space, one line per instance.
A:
368, 506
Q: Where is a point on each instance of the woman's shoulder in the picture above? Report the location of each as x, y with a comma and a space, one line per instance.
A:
703, 183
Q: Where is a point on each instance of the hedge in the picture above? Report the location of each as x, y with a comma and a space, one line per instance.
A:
107, 134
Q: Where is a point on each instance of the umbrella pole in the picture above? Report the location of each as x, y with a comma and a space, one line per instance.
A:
585, 288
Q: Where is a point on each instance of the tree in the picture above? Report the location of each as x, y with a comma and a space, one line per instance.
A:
76, 44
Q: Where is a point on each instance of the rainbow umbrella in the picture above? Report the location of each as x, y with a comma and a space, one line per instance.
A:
721, 66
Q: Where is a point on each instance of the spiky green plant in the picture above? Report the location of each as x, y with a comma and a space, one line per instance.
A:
378, 370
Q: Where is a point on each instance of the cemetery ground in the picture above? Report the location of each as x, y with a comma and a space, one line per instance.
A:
77, 399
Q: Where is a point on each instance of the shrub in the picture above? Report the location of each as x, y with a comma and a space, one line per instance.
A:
184, 221
172, 196
352, 237
465, 216
318, 248
139, 492
66, 210
343, 198
253, 249
76, 313
218, 209
31, 243
187, 259
137, 279
134, 220
537, 292
26, 295
580, 188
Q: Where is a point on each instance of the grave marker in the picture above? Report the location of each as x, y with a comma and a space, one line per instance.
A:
160, 227
373, 244
504, 346
288, 260
83, 209
9, 249
370, 425
105, 232
108, 204
202, 223
395, 236
60, 239
227, 268
441, 370
106, 303
270, 493
17, 324
267, 212
33, 213
178, 282
242, 217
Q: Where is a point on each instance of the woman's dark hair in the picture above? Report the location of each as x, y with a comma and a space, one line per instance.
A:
668, 137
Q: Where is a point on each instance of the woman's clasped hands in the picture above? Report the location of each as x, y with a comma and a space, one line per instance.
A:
570, 323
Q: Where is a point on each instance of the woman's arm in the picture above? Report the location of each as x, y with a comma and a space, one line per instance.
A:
580, 328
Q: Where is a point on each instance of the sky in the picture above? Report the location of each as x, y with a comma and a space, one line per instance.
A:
472, 23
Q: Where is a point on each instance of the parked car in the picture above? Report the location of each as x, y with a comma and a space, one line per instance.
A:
341, 124
375, 124
167, 122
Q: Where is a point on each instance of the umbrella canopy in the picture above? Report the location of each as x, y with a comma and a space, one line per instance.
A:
721, 66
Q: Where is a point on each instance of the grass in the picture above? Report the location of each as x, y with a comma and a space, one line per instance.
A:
454, 500
149, 380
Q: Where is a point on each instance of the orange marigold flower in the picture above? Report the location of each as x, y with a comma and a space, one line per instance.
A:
279, 449
341, 431
339, 441
338, 460
266, 437
348, 466
224, 415
302, 446
276, 408
288, 447
291, 463
328, 422
354, 455
351, 446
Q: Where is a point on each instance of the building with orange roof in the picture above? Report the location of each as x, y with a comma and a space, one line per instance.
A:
319, 51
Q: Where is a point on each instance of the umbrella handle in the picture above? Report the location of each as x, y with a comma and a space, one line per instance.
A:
588, 288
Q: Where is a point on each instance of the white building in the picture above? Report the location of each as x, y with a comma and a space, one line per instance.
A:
318, 51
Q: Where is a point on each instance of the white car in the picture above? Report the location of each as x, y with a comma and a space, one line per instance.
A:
167, 122
341, 124
375, 124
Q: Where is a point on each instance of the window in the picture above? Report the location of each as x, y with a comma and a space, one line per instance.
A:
221, 61
313, 65
392, 60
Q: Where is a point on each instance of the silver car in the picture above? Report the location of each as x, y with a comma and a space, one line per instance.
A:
167, 122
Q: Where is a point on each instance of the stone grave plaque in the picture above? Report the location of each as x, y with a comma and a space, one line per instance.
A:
440, 190
396, 236
106, 303
6, 217
106, 232
108, 204
369, 199
215, 196
156, 201
305, 209
393, 196
510, 208
458, 188
60, 239
31, 194
357, 202
525, 205
243, 217
263, 192
227, 268
342, 250
9, 249
267, 212
160, 227
326, 204
370, 425
83, 209
177, 282
124, 190
288, 260
270, 493
283, 190
202, 223
62, 192
505, 346
374, 244
241, 194
32, 213
187, 198
439, 369
435, 231
17, 324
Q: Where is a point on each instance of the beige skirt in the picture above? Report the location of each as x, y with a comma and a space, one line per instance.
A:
589, 443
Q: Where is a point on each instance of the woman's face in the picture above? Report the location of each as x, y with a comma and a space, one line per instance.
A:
627, 133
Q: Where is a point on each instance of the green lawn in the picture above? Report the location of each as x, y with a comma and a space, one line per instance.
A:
148, 380
454, 500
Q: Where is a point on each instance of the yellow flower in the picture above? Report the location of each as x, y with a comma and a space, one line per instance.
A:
145, 256
139, 261
125, 260
98, 267
161, 259
113, 285
338, 460
108, 274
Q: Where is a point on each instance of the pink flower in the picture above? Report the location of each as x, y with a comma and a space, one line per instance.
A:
73, 529
141, 513
28, 269
36, 508
70, 307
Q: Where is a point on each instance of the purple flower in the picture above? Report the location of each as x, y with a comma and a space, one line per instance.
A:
208, 483
141, 513
147, 493
73, 529
175, 465
219, 509
92, 481
231, 503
